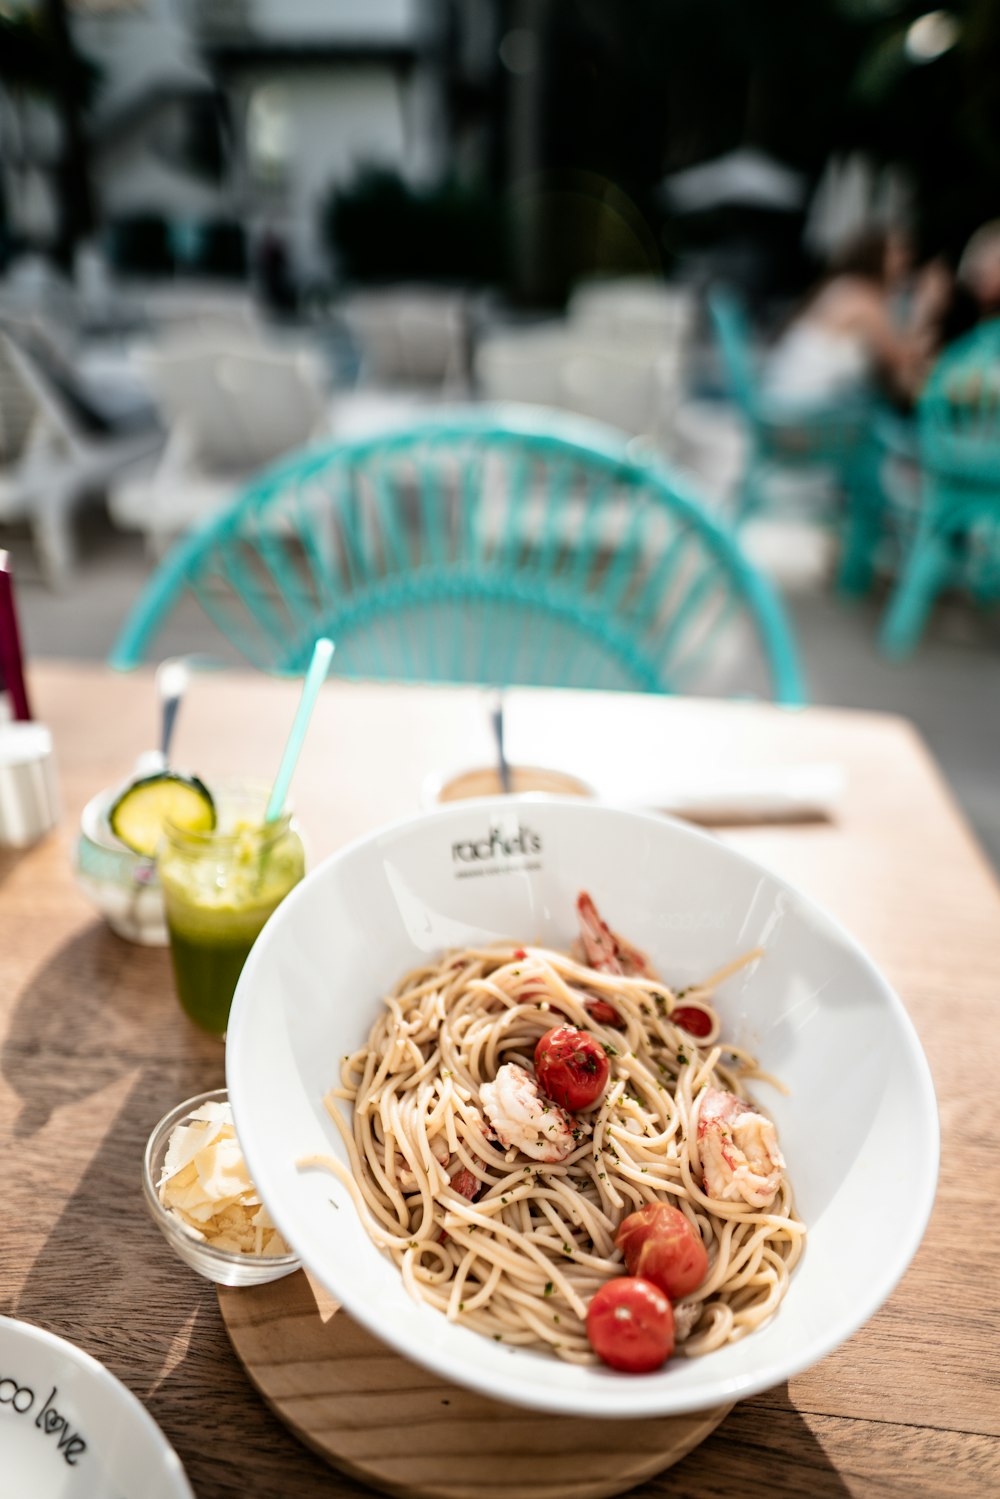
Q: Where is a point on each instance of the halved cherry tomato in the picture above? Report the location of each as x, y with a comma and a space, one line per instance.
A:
661, 1245
692, 1020
604, 1014
630, 1325
572, 1067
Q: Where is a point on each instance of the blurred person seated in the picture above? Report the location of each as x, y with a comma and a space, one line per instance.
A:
973, 292
979, 269
947, 304
851, 338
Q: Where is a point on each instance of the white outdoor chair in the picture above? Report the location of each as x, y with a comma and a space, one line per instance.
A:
188, 309
634, 309
633, 386
409, 335
49, 460
228, 410
522, 364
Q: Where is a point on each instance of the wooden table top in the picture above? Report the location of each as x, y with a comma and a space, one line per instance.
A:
94, 1049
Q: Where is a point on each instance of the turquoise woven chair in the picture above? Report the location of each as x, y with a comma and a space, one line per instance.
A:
484, 545
836, 438
957, 536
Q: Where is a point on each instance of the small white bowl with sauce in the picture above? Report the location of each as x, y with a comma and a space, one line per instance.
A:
123, 885
484, 780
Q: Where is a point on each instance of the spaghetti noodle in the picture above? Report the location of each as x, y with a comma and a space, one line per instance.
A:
514, 1246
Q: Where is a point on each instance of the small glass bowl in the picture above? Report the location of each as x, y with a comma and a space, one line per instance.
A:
221, 1265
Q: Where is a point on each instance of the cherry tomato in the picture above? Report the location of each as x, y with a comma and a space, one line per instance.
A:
572, 1067
660, 1244
604, 1014
630, 1324
696, 1022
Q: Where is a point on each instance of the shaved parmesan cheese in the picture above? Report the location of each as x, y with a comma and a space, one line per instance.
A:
206, 1186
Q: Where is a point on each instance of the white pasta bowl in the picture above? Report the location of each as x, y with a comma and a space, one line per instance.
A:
815, 1010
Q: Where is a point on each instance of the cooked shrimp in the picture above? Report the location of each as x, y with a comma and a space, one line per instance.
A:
738, 1150
524, 1119
603, 949
686, 1314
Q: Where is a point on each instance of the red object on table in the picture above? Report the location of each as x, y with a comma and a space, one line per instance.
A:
11, 655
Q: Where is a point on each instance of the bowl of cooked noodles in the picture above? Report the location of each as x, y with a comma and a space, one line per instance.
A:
580, 1108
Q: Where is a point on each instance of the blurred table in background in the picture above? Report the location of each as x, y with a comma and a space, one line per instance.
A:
94, 1048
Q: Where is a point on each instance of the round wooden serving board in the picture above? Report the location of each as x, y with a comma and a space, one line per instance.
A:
401, 1429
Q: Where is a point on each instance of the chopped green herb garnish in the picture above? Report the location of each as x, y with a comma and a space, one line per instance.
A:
549, 1288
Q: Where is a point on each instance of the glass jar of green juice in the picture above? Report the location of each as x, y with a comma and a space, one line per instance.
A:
219, 888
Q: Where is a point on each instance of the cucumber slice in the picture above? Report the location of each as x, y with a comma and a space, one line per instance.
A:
139, 815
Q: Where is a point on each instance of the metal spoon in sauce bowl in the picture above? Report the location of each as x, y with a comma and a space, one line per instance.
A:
496, 724
172, 678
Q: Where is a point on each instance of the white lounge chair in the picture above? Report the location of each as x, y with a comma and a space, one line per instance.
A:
410, 335
49, 459
633, 386
229, 410
634, 309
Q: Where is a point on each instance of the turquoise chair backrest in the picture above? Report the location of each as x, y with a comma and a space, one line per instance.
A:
480, 546
732, 330
959, 412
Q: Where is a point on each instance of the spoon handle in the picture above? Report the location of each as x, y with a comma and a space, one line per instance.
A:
496, 722
169, 718
171, 681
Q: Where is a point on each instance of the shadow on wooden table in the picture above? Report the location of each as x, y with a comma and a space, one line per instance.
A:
99, 1010
10, 858
97, 1050
764, 1446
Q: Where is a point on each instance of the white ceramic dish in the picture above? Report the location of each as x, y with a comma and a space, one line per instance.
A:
70, 1430
858, 1128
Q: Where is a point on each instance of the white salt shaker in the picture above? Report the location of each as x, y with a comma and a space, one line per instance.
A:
29, 800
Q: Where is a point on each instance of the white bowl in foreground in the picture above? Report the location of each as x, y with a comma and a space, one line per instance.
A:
70, 1430
814, 1010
